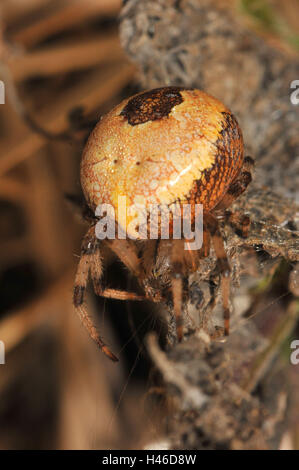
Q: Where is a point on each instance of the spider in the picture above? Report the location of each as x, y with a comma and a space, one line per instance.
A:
170, 145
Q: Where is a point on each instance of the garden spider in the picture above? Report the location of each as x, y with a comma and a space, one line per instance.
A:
167, 146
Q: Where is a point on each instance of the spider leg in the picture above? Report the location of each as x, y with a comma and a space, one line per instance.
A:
206, 245
148, 260
212, 289
240, 222
196, 255
88, 248
222, 267
127, 253
118, 294
177, 256
191, 257
238, 186
149, 255
96, 270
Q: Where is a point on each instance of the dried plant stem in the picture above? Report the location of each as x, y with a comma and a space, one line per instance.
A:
263, 360
67, 14
99, 87
66, 57
191, 395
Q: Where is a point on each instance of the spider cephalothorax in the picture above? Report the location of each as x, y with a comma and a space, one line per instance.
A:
167, 147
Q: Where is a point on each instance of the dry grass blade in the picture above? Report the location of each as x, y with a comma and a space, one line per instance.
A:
66, 57
66, 15
95, 90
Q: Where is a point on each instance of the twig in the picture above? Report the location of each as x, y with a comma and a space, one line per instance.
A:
282, 331
20, 109
66, 57
67, 15
15, 327
99, 87
192, 396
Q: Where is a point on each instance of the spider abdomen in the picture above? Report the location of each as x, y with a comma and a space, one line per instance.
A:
161, 147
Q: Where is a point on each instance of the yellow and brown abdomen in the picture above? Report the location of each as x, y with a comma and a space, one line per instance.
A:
160, 147
213, 183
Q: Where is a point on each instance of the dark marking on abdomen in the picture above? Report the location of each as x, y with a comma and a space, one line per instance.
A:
228, 162
152, 105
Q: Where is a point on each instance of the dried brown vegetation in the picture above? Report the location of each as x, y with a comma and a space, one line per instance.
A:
63, 67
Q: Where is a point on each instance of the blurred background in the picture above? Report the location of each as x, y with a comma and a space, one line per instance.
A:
63, 67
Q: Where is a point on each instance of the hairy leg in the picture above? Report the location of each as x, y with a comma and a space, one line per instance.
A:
149, 255
238, 186
177, 272
127, 253
239, 222
222, 267
88, 248
150, 261
96, 276
205, 249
